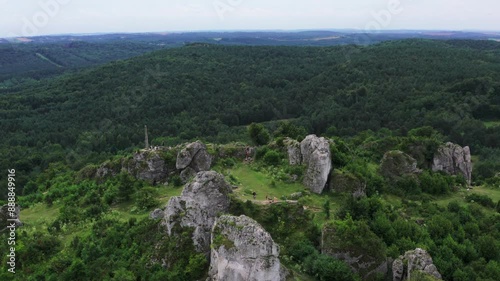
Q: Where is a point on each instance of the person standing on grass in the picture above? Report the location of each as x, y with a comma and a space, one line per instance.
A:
254, 195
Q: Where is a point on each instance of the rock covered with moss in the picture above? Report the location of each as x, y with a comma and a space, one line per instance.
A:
316, 156
414, 262
243, 251
396, 164
201, 201
345, 182
454, 160
293, 150
354, 243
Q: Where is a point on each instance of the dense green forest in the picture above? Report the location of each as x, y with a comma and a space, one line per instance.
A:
367, 100
30, 62
211, 92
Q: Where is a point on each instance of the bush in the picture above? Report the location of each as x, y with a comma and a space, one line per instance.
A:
146, 198
481, 199
272, 158
258, 134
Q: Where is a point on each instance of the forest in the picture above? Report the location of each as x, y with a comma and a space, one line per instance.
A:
394, 95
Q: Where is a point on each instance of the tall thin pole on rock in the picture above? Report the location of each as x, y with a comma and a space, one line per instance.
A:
146, 141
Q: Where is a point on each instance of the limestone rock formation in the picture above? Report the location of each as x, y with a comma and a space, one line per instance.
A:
454, 160
348, 183
194, 156
417, 260
396, 164
316, 155
293, 149
147, 165
201, 201
6, 214
243, 251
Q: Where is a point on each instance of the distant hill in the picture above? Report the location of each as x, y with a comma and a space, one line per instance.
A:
34, 58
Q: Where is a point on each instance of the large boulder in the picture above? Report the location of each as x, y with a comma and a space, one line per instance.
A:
454, 160
316, 155
201, 201
414, 262
147, 165
194, 155
354, 243
293, 150
396, 164
243, 251
9, 215
345, 182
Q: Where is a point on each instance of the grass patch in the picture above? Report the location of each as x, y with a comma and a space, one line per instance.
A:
490, 124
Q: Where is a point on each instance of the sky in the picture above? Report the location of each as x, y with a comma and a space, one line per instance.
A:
23, 18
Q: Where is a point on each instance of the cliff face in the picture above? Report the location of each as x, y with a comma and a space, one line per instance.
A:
243, 251
192, 159
454, 160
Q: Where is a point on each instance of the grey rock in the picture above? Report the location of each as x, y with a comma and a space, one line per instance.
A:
243, 251
316, 155
194, 155
6, 213
293, 150
396, 164
412, 261
201, 201
454, 160
108, 169
187, 174
296, 195
147, 165
157, 214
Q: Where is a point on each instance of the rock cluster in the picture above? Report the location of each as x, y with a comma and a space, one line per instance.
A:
293, 150
413, 261
243, 251
315, 153
396, 164
201, 201
192, 159
454, 160
144, 165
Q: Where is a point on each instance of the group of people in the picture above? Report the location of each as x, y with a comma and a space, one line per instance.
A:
268, 198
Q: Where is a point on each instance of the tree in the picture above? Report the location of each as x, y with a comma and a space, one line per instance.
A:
258, 134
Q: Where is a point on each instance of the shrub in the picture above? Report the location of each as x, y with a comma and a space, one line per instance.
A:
272, 158
481, 199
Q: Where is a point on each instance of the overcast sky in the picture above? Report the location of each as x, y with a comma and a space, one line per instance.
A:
40, 17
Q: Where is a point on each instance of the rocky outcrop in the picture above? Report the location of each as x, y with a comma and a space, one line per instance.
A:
293, 150
316, 155
396, 164
454, 160
201, 201
417, 260
356, 245
194, 156
9, 215
243, 251
345, 182
147, 165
